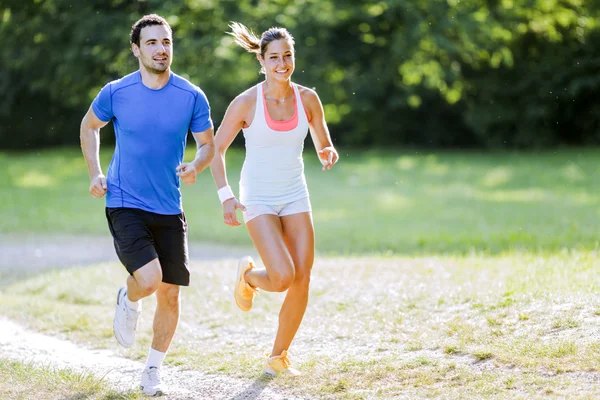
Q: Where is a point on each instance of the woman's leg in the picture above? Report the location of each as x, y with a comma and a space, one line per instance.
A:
299, 237
266, 232
286, 246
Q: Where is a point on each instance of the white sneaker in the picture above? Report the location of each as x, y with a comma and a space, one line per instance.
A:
126, 320
151, 383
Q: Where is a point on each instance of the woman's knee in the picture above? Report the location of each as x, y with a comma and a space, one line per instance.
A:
302, 277
282, 280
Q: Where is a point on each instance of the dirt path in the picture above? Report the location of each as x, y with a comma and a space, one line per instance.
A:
28, 253
21, 255
121, 373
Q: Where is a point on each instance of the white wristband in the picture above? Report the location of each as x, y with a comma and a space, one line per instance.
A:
225, 193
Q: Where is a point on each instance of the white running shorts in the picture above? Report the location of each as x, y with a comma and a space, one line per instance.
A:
281, 210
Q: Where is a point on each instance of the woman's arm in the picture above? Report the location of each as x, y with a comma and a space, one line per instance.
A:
233, 121
318, 128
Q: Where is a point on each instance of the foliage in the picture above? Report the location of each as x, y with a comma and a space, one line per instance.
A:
428, 73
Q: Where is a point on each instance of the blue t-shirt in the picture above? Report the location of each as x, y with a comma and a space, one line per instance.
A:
151, 128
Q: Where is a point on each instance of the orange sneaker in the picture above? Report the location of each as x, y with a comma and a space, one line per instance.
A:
244, 293
280, 365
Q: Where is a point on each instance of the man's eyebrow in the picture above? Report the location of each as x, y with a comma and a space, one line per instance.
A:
155, 39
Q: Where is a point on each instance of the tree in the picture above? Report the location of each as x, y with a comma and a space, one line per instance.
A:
389, 72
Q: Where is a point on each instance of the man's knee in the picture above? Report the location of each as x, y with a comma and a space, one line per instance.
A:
147, 287
168, 294
149, 277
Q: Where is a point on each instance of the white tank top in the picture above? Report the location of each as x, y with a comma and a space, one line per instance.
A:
273, 171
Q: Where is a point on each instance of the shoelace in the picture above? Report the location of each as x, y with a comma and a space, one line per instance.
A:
250, 290
286, 362
283, 358
154, 376
130, 318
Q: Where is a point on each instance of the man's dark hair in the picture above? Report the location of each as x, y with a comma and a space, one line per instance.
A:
146, 20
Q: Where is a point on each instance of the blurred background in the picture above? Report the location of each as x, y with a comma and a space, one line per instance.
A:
462, 125
427, 73
460, 231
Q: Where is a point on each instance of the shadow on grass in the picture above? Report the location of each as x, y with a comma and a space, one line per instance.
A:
253, 391
110, 395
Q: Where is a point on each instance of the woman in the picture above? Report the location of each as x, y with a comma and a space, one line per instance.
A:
275, 116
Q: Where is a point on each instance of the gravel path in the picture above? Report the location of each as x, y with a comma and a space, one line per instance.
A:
21, 255
32, 253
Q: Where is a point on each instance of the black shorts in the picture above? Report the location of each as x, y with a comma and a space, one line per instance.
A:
141, 236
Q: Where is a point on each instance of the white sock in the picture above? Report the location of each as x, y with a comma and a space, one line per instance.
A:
155, 358
133, 305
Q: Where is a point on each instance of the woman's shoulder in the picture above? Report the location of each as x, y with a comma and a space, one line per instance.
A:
309, 96
245, 99
248, 95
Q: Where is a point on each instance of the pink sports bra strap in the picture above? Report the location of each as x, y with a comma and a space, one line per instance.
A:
285, 125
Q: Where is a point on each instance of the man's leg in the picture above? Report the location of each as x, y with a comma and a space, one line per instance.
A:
134, 246
170, 241
166, 316
144, 281
166, 319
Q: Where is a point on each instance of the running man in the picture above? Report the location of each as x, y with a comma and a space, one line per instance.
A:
275, 116
152, 110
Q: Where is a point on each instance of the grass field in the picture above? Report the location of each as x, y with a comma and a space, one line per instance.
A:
25, 381
371, 202
446, 275
519, 326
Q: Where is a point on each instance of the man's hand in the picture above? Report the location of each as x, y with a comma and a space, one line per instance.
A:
98, 186
187, 173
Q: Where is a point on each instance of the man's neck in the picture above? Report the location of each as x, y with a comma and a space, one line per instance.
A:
155, 81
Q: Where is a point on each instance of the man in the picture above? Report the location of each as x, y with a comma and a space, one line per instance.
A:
152, 111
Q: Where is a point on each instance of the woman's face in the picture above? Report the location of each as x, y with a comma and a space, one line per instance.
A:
278, 59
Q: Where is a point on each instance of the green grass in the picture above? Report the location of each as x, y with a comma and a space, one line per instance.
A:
372, 202
376, 327
441, 275
24, 381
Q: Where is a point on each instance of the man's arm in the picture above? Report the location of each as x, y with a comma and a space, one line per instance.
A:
204, 155
90, 145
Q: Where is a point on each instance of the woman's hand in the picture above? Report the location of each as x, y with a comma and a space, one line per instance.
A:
229, 211
328, 157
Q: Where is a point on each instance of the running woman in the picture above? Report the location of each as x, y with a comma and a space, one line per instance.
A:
152, 111
275, 116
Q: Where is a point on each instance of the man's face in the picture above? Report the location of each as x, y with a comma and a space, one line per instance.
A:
156, 48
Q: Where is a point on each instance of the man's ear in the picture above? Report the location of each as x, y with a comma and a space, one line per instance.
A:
135, 49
